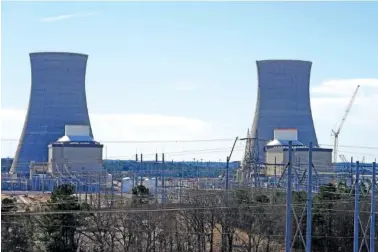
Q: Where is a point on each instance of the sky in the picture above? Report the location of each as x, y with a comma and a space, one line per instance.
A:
187, 71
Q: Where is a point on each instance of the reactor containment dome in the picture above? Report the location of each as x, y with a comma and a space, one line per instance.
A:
57, 98
283, 101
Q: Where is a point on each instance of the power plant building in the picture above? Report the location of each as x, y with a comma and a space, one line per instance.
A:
75, 152
283, 101
277, 154
57, 98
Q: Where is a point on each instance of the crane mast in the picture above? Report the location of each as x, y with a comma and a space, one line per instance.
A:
336, 133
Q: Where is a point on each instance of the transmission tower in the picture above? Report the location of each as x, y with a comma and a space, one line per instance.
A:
251, 162
255, 162
247, 152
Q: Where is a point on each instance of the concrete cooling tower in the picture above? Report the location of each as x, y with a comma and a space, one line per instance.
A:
57, 98
283, 101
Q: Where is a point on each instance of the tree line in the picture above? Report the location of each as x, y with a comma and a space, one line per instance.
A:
250, 220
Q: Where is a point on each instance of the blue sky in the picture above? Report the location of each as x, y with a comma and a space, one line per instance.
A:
194, 64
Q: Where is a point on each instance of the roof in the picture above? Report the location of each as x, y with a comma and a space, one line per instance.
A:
283, 60
58, 53
277, 143
286, 129
66, 139
296, 145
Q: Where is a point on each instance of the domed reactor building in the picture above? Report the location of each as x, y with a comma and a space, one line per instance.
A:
283, 102
57, 98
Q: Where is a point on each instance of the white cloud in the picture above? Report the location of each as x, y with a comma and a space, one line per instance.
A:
146, 127
329, 101
344, 87
66, 16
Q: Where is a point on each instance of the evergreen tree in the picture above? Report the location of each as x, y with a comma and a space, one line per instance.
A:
141, 195
59, 231
13, 235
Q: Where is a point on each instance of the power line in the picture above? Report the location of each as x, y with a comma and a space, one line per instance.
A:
199, 140
340, 201
165, 209
145, 141
128, 230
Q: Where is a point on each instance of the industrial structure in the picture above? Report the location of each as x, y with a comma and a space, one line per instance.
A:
57, 144
57, 98
276, 157
283, 101
57, 147
337, 131
75, 152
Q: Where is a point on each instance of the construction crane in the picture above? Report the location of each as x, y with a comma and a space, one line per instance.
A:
336, 133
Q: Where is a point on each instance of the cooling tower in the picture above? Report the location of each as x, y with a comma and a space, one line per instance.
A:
57, 98
283, 101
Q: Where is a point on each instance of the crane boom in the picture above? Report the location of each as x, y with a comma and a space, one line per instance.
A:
336, 133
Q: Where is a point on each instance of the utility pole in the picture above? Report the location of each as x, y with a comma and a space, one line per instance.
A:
141, 169
225, 232
162, 180
86, 189
181, 178
43, 183
309, 200
156, 178
372, 213
99, 190
356, 208
227, 164
288, 202
112, 187
351, 171
135, 176
275, 171
198, 176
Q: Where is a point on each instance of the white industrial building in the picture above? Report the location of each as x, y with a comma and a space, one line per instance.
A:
277, 154
75, 152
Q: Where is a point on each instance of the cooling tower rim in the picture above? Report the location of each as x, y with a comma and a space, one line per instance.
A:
58, 53
283, 60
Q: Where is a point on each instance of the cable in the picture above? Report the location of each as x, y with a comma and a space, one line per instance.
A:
341, 201
201, 140
192, 151
132, 230
146, 210
177, 153
252, 205
147, 141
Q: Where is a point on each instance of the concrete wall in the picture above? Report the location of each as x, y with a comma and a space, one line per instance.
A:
321, 159
78, 159
276, 162
283, 101
57, 98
